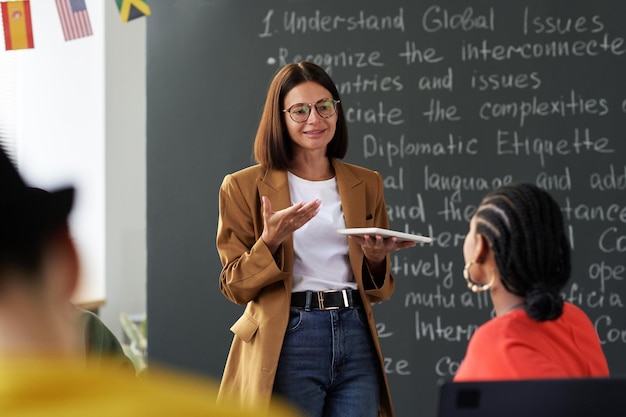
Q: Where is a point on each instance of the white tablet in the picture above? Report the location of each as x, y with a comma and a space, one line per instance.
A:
360, 231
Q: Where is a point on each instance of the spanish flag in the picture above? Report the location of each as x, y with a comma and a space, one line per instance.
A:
18, 29
132, 9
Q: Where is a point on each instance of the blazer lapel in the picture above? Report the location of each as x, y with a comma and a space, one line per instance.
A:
274, 185
352, 192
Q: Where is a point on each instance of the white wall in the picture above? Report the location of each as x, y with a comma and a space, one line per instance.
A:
125, 125
60, 128
81, 116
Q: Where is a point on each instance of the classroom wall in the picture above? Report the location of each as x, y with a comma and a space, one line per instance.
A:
59, 128
125, 156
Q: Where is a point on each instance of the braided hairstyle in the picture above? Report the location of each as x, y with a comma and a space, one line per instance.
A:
524, 227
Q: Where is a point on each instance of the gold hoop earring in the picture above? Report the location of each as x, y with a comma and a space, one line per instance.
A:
473, 285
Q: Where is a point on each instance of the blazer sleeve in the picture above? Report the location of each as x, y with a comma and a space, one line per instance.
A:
247, 263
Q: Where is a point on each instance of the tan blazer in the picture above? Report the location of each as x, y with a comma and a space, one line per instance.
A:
252, 277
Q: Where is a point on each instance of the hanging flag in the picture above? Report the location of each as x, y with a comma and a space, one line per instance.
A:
74, 19
18, 28
132, 9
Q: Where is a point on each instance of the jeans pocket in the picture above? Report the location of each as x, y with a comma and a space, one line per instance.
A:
295, 319
361, 316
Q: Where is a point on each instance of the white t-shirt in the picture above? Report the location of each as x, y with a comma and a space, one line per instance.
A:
321, 254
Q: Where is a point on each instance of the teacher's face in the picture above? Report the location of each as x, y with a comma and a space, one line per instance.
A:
316, 132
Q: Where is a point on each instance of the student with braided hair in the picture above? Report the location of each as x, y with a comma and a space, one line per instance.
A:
516, 249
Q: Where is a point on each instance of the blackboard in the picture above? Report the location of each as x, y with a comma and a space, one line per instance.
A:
446, 99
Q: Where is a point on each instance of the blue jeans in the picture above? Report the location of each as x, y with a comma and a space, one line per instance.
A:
328, 366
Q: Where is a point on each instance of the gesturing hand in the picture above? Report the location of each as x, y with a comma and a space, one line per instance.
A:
278, 225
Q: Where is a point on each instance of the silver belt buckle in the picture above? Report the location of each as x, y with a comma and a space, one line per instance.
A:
320, 299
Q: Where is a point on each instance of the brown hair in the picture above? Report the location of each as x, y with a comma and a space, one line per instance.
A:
272, 144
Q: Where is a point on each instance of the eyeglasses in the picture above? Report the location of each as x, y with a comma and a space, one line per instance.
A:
300, 112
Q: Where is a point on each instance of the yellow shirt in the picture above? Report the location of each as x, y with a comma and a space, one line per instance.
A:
56, 388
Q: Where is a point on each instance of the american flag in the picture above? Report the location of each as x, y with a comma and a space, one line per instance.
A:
74, 19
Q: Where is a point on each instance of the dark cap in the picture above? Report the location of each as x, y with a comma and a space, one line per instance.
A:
26, 212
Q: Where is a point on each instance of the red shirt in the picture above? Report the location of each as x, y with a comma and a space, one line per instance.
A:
514, 346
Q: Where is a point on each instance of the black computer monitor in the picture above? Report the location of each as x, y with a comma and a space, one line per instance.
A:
581, 397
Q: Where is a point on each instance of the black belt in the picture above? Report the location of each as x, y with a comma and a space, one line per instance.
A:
326, 300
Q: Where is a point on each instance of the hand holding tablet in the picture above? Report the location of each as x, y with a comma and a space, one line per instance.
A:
401, 236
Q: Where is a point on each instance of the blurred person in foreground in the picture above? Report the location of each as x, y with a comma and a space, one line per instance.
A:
516, 249
43, 358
